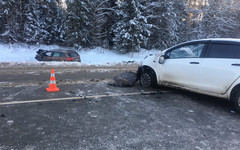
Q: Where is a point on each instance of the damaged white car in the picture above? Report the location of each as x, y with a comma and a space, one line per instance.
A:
209, 66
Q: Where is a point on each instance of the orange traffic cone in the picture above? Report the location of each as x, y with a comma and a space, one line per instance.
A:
52, 85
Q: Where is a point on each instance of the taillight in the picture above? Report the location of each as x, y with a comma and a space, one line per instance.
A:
69, 59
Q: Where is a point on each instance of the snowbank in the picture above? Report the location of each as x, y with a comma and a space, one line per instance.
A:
23, 53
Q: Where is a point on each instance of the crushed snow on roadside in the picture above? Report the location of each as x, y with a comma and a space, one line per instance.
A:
13, 54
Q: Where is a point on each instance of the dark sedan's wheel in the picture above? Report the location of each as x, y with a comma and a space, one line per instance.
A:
147, 79
236, 101
39, 58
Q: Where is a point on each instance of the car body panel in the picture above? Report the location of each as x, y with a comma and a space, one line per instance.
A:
217, 75
47, 56
210, 76
58, 55
181, 72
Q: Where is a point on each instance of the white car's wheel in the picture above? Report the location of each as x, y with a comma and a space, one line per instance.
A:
147, 79
236, 101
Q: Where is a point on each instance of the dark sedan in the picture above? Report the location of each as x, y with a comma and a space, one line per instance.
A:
58, 55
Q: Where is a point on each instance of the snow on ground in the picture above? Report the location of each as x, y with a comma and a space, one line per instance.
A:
23, 53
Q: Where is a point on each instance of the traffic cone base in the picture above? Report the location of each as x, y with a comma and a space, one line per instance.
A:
52, 89
52, 86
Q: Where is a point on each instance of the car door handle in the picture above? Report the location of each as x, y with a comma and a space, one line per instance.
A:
194, 62
235, 64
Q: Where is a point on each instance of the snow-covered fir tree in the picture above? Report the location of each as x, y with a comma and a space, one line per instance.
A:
32, 32
78, 23
123, 25
218, 19
166, 16
131, 30
1, 21
108, 20
31, 21
11, 19
51, 20
103, 19
89, 22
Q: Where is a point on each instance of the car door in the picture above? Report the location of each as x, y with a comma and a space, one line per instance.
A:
56, 56
220, 68
181, 67
63, 56
47, 56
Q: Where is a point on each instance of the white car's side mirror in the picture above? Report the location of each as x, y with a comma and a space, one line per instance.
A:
161, 59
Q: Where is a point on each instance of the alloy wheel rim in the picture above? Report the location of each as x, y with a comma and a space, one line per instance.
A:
146, 80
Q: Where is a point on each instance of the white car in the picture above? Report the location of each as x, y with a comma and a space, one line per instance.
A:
208, 66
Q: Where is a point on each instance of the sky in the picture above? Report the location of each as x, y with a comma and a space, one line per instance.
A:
23, 53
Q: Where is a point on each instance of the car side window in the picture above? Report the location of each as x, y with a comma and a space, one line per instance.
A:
56, 54
73, 54
224, 51
62, 55
187, 51
48, 54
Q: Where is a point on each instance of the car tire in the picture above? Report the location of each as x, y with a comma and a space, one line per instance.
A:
236, 101
39, 58
147, 79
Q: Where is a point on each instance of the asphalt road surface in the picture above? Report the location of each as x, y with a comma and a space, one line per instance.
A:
90, 114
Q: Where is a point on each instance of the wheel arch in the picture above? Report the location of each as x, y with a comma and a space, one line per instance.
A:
147, 69
234, 91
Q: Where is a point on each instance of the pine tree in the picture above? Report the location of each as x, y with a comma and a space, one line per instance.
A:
102, 21
11, 17
49, 23
88, 23
31, 21
131, 29
108, 20
60, 17
167, 18
213, 19
2, 27
32, 28
78, 24
219, 20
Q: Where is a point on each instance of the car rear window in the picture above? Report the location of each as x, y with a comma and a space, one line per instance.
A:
73, 54
224, 51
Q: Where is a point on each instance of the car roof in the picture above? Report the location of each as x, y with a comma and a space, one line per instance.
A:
61, 50
226, 39
218, 40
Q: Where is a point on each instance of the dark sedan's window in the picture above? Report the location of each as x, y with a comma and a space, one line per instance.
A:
62, 55
56, 54
73, 54
48, 53
224, 51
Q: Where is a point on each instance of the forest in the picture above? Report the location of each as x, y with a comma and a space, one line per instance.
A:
120, 25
